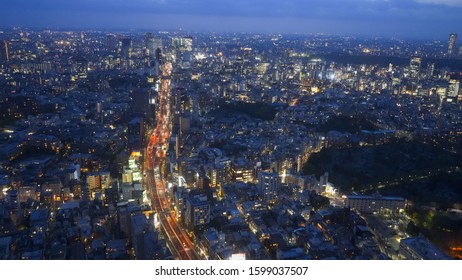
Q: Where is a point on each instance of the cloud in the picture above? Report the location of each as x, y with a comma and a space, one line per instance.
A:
453, 3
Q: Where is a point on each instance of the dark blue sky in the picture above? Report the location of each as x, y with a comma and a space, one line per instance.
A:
429, 19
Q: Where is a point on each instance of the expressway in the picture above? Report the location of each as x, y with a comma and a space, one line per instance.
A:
178, 240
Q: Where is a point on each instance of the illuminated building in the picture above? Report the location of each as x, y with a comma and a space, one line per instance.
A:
93, 182
453, 90
28, 192
420, 248
197, 211
268, 185
202, 181
98, 182
430, 70
452, 44
153, 44
374, 203
47, 199
414, 66
55, 187
219, 175
182, 43
127, 175
242, 171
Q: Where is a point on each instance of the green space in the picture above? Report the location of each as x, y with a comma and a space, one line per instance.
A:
344, 123
6, 121
421, 172
256, 110
443, 228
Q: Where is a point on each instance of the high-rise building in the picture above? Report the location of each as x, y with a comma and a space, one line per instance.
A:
430, 70
242, 170
197, 211
268, 185
111, 42
153, 45
414, 66
453, 90
126, 48
182, 43
97, 182
4, 53
452, 44
140, 105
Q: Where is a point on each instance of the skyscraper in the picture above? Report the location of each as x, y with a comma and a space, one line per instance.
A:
453, 92
414, 66
126, 47
4, 53
111, 42
153, 44
452, 44
430, 70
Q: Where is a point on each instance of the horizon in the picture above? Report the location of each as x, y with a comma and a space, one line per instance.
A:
186, 32
409, 19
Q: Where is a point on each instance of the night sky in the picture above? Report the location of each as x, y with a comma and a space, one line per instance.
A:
426, 19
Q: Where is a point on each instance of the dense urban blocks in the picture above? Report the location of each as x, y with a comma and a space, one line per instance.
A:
175, 145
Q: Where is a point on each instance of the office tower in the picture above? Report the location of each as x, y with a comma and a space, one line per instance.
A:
153, 44
139, 104
430, 70
126, 47
452, 44
268, 185
187, 44
414, 66
111, 42
136, 129
183, 44
4, 53
149, 41
453, 91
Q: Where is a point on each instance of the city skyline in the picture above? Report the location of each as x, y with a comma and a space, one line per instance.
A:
417, 19
144, 136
